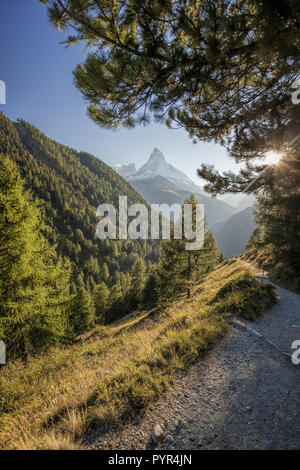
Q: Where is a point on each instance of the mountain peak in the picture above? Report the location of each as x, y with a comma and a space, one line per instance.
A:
157, 166
157, 157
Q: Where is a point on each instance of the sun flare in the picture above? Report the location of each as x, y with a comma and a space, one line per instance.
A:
272, 158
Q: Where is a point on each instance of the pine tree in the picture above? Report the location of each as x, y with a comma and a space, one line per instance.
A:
223, 69
278, 215
137, 282
82, 312
101, 301
209, 256
105, 273
34, 285
150, 291
91, 284
116, 308
180, 269
80, 279
92, 266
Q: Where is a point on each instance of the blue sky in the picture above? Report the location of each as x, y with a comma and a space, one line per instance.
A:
37, 70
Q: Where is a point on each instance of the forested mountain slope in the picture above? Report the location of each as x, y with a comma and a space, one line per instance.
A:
70, 185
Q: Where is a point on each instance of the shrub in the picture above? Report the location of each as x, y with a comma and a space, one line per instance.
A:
245, 297
283, 273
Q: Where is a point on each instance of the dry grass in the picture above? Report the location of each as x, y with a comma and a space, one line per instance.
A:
110, 373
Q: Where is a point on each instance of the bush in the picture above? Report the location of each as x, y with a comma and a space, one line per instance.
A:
245, 297
283, 273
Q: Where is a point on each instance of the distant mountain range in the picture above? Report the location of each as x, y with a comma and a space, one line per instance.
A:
233, 233
159, 190
239, 201
159, 182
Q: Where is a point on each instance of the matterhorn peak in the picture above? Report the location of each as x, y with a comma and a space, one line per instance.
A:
158, 166
157, 156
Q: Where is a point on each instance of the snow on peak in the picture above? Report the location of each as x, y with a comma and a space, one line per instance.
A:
158, 166
157, 157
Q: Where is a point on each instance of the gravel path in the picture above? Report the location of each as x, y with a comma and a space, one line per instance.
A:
244, 394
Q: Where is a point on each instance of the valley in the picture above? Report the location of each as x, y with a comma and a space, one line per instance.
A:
160, 183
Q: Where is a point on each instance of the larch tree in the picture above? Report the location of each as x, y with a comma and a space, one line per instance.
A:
81, 313
180, 268
101, 301
137, 282
34, 283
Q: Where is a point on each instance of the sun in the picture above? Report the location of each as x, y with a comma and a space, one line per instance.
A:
272, 158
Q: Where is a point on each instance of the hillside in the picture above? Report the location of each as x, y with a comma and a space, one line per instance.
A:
114, 372
70, 185
233, 233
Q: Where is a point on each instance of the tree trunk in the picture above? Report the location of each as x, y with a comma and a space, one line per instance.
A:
23, 350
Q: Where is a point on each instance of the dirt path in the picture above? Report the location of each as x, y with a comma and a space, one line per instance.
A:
244, 394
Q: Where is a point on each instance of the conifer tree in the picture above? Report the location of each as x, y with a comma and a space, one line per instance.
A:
209, 256
101, 301
115, 309
179, 268
150, 291
223, 70
278, 214
104, 273
137, 282
125, 281
82, 312
34, 285
72, 289
80, 279
91, 284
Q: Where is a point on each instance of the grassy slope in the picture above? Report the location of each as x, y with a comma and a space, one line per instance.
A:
114, 371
